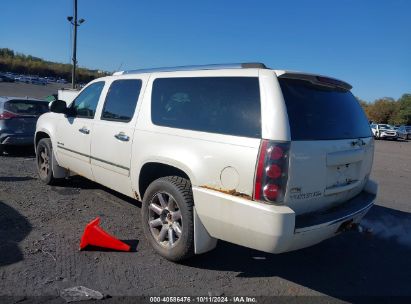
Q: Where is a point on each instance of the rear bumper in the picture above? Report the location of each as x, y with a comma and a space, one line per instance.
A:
313, 228
274, 229
16, 139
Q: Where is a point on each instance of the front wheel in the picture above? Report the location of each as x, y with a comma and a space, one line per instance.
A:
167, 217
44, 154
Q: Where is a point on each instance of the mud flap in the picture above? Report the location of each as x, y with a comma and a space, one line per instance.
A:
203, 242
58, 172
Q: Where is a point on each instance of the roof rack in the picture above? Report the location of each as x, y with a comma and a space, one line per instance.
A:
247, 65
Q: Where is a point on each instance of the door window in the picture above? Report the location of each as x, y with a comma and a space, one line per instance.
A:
85, 104
121, 100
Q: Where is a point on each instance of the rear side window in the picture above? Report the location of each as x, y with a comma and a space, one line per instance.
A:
26, 107
224, 105
321, 113
121, 100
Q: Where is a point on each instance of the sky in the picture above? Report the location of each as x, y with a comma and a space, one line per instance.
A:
364, 42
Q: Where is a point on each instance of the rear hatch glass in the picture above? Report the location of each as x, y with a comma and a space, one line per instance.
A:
321, 113
26, 107
331, 149
26, 115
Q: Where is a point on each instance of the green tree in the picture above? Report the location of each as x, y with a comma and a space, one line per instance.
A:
402, 115
381, 110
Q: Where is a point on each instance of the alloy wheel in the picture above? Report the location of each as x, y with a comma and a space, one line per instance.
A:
164, 219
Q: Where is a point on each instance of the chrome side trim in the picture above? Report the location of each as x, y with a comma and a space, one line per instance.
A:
95, 158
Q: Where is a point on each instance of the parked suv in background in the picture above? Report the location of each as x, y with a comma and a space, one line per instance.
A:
383, 131
404, 132
268, 159
18, 117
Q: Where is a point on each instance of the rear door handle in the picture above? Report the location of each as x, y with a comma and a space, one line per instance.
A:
121, 136
84, 130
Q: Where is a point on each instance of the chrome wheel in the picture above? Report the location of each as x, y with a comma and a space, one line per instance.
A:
44, 162
164, 219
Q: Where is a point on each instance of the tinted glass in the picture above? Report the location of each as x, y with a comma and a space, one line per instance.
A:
321, 113
85, 104
225, 105
27, 107
121, 100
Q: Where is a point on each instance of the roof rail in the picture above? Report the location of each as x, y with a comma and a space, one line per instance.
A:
247, 65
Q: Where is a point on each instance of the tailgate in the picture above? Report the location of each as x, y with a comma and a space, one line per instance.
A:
323, 174
332, 148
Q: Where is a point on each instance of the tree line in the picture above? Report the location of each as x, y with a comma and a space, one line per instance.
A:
388, 110
14, 62
383, 110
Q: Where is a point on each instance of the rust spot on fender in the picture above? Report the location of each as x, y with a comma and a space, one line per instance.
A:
232, 192
136, 196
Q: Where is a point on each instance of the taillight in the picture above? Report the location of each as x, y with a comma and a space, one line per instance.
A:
272, 171
7, 115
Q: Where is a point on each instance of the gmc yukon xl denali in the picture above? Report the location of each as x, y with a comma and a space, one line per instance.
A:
268, 159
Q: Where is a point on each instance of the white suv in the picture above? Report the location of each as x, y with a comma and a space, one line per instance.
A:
267, 159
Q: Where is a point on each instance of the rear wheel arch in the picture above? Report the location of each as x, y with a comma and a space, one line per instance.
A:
152, 171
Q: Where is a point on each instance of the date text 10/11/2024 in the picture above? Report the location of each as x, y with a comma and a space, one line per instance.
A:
203, 299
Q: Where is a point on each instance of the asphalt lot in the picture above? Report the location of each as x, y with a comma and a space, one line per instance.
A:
18, 89
40, 229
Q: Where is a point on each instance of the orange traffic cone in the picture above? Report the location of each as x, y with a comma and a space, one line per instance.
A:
95, 236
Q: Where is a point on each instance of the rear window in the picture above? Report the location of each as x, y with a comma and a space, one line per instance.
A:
224, 105
321, 113
27, 107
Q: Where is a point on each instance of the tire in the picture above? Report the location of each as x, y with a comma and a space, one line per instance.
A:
167, 217
44, 152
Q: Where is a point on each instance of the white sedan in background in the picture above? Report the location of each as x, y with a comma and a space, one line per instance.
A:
383, 131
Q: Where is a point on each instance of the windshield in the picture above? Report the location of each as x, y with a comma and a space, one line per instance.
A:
27, 107
385, 127
322, 113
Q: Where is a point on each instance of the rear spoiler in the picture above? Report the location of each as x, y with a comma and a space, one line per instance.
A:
315, 79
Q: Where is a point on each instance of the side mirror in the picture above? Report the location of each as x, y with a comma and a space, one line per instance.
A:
58, 106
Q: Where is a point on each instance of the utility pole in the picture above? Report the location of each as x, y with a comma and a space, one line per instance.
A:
75, 24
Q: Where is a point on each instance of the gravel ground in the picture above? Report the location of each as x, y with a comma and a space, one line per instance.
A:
40, 229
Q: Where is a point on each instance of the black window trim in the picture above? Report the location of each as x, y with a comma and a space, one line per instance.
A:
74, 101
105, 101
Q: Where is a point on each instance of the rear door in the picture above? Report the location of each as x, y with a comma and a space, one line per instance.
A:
332, 146
113, 133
